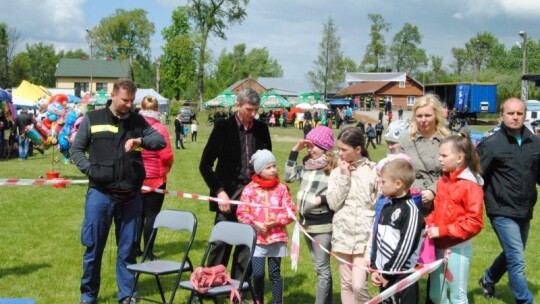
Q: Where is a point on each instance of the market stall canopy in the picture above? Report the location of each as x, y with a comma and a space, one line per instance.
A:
141, 93
29, 91
225, 99
5, 95
271, 99
309, 98
20, 102
100, 99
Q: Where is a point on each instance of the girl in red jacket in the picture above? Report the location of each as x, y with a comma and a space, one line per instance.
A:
457, 216
157, 165
264, 192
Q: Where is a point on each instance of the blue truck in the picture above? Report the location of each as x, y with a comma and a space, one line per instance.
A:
468, 99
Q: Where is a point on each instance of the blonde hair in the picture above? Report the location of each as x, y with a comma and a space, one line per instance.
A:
399, 169
149, 103
433, 101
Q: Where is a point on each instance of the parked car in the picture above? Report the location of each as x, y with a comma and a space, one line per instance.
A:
187, 114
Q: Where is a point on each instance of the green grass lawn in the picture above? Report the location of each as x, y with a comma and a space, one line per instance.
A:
41, 253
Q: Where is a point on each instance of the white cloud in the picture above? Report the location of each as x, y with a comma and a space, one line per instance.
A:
494, 8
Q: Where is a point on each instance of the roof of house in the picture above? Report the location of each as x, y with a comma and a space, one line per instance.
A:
96, 68
358, 77
284, 86
363, 88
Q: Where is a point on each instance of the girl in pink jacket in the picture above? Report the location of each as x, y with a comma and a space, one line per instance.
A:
268, 199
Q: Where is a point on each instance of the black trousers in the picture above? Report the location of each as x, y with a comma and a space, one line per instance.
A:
220, 253
410, 295
152, 203
179, 140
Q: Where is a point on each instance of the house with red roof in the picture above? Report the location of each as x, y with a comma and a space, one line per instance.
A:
401, 90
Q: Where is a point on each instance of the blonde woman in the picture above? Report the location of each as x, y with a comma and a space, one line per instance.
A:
156, 164
427, 129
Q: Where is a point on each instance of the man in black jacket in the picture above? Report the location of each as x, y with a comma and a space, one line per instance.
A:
231, 143
510, 160
113, 137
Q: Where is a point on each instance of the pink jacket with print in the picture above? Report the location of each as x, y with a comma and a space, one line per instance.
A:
278, 196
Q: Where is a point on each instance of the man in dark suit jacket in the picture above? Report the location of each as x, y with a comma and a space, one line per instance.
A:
231, 143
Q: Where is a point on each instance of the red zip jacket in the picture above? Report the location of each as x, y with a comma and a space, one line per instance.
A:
458, 209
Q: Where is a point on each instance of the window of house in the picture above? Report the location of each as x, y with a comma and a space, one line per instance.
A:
411, 100
101, 86
402, 84
81, 86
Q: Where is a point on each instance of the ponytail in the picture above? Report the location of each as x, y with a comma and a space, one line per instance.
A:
462, 144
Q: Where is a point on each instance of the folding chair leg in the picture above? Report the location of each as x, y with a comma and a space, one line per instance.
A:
134, 285
160, 289
190, 300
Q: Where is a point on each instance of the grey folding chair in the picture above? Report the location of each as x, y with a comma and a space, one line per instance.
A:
235, 234
174, 220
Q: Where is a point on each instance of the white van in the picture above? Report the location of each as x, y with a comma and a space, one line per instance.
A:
533, 114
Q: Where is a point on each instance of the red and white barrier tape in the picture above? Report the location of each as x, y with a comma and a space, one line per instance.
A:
30, 182
37, 182
409, 280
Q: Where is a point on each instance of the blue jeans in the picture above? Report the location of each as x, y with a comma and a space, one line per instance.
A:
23, 147
99, 212
512, 235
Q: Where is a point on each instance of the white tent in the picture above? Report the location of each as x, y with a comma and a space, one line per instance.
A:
20, 102
162, 101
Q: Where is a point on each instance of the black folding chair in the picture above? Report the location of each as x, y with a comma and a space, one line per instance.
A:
174, 220
234, 234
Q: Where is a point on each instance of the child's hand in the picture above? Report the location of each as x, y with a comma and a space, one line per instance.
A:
317, 200
345, 167
301, 144
432, 232
384, 282
375, 279
271, 224
259, 227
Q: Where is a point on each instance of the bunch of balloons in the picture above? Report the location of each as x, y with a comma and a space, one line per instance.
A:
58, 127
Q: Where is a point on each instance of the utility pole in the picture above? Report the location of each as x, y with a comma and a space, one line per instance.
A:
158, 79
91, 63
524, 83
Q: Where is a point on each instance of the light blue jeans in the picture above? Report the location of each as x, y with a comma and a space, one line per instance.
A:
23, 147
458, 264
513, 236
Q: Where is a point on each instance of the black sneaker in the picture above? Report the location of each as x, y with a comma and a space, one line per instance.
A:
487, 289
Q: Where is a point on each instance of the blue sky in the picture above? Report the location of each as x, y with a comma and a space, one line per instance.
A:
290, 29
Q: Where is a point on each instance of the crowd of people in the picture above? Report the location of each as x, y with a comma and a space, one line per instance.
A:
375, 217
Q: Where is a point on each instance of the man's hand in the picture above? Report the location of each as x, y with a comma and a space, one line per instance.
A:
223, 206
132, 144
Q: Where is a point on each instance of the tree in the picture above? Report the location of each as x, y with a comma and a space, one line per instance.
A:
123, 35
231, 67
404, 53
329, 72
179, 61
349, 65
8, 42
20, 68
480, 51
43, 63
376, 49
212, 17
460, 60
73, 54
437, 68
